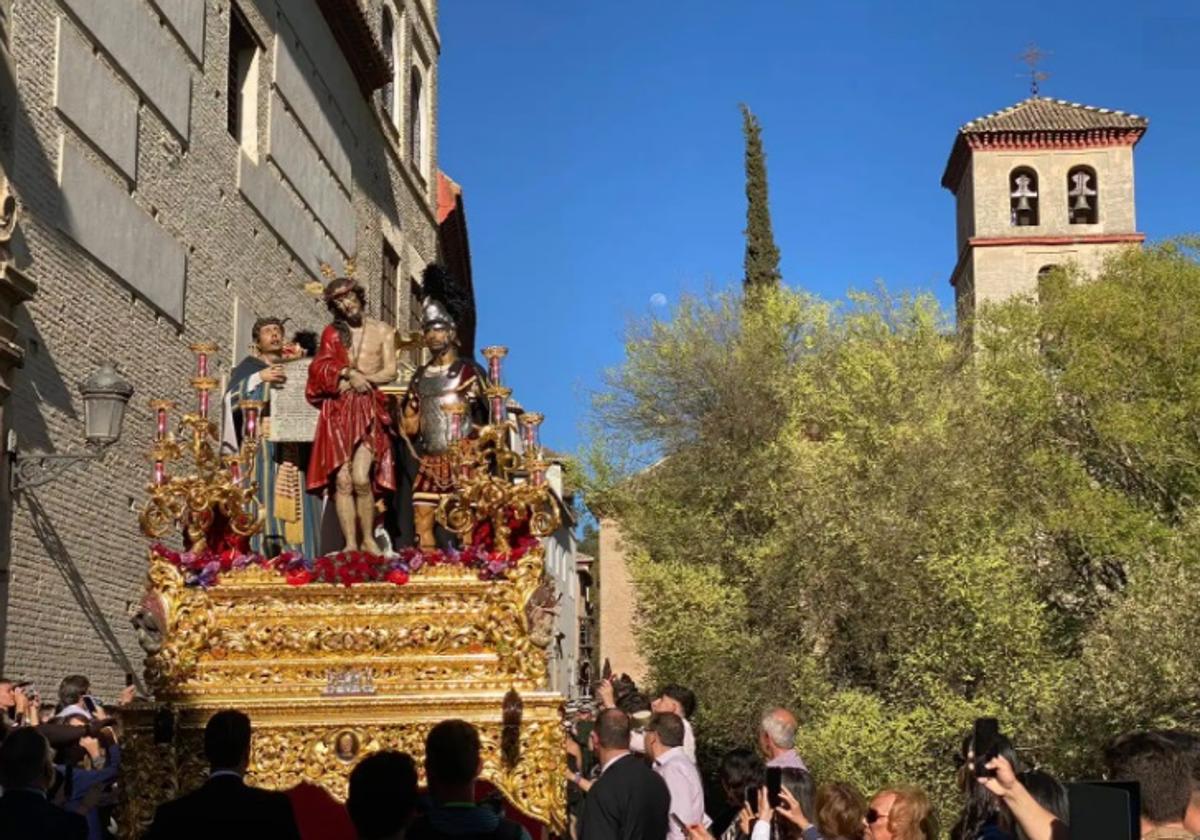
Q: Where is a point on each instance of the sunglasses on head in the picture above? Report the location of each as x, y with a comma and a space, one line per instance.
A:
874, 816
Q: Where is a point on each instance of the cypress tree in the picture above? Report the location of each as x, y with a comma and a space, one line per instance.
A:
762, 255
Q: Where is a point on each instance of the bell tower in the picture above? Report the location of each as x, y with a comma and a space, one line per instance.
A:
1037, 185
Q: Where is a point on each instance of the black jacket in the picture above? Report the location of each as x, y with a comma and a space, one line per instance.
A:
225, 808
27, 814
628, 802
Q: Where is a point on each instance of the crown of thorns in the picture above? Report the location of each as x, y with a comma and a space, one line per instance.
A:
339, 287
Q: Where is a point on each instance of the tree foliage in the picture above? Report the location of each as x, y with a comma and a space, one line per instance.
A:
847, 509
762, 255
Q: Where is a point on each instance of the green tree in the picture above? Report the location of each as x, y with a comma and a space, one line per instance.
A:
762, 255
893, 532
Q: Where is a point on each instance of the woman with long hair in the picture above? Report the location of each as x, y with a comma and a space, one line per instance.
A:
983, 816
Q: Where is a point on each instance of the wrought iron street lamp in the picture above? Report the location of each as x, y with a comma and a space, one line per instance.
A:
105, 396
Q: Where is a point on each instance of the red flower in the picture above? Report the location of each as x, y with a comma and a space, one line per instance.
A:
397, 576
299, 577
324, 569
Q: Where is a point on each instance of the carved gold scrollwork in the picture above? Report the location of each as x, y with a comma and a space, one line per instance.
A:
294, 744
447, 644
188, 618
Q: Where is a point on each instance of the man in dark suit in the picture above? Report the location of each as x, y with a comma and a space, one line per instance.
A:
26, 771
225, 807
629, 801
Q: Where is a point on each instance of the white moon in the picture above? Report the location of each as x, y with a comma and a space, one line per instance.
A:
658, 299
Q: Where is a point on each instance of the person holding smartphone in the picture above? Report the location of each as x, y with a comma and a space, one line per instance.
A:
664, 744
74, 697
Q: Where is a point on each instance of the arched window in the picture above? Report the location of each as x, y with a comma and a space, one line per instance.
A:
1083, 196
1043, 276
416, 120
1023, 197
387, 33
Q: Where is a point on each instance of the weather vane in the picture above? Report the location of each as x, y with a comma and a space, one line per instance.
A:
1033, 56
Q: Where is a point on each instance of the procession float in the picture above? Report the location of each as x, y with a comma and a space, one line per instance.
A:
348, 652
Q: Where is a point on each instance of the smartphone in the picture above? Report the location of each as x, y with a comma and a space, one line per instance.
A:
89, 703
751, 796
985, 744
774, 784
128, 679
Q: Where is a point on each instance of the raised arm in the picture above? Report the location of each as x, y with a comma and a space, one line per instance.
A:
1035, 821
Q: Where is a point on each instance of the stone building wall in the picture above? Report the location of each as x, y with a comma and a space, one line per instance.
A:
993, 269
989, 197
146, 227
1001, 272
618, 605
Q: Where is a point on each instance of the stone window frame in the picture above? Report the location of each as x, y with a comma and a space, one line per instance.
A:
1035, 202
246, 97
1093, 215
391, 95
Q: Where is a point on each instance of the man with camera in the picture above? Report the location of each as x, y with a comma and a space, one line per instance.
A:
672, 699
19, 703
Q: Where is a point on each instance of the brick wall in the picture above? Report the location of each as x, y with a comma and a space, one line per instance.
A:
618, 605
77, 557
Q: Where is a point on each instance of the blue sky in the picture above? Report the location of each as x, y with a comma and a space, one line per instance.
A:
599, 146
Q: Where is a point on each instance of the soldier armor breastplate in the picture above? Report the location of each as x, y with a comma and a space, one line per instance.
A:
436, 389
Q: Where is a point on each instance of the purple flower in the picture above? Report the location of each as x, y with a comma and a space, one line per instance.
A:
416, 562
208, 575
496, 568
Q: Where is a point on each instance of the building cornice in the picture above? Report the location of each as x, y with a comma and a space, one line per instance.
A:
1007, 141
348, 21
1078, 239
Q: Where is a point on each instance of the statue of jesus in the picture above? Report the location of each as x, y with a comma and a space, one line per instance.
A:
353, 444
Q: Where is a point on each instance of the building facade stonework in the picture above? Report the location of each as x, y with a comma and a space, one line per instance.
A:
182, 167
618, 605
1038, 185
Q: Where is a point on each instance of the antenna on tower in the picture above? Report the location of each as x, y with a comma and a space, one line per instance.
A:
1033, 56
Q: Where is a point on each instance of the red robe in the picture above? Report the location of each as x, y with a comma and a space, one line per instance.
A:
347, 419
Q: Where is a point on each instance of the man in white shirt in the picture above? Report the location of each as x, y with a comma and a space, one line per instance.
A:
675, 699
664, 744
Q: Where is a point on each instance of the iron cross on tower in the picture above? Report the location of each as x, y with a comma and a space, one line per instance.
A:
1033, 56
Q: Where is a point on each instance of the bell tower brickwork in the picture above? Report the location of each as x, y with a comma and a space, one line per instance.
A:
1075, 204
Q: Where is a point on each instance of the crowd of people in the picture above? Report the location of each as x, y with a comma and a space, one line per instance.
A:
60, 763
632, 775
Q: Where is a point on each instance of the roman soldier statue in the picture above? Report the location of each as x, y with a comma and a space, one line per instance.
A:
449, 377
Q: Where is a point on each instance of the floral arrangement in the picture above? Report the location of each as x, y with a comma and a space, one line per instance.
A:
347, 568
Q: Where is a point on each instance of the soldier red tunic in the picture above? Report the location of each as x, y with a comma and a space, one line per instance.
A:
347, 419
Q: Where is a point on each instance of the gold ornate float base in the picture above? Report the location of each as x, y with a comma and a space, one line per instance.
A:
329, 674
